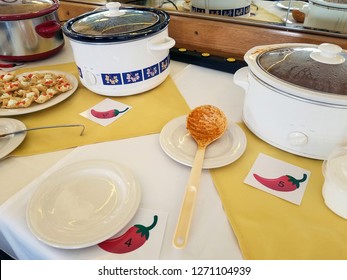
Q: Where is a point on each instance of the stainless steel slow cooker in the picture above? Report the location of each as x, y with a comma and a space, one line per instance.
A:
296, 96
121, 51
29, 30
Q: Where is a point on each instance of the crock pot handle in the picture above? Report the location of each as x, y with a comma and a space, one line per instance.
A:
48, 29
328, 54
162, 46
241, 78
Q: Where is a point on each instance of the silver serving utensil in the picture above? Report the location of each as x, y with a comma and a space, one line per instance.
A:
43, 127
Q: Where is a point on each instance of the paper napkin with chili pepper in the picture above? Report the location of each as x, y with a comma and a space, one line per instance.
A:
270, 228
140, 239
150, 111
279, 178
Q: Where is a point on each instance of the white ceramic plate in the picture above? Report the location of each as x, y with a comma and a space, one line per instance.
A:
10, 142
83, 204
177, 143
38, 107
293, 5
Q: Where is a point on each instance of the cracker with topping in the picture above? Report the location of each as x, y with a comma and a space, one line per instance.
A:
20, 91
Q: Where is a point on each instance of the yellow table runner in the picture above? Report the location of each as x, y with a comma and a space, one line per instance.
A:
150, 112
261, 14
268, 227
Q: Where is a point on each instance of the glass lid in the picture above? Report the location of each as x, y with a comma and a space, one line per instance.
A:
338, 4
322, 69
22, 7
113, 21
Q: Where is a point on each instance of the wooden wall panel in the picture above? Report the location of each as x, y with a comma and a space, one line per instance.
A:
225, 38
216, 37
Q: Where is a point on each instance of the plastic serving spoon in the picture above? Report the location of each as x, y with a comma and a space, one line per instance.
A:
205, 124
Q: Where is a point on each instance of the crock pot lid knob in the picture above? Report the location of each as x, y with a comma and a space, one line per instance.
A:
328, 54
113, 9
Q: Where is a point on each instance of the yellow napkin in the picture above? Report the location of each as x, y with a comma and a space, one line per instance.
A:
268, 227
150, 112
261, 14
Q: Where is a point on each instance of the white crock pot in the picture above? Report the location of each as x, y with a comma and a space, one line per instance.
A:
296, 96
330, 15
121, 51
334, 189
234, 8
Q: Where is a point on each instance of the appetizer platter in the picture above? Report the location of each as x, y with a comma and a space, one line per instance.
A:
34, 91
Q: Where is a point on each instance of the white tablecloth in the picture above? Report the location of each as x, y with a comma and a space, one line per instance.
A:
162, 179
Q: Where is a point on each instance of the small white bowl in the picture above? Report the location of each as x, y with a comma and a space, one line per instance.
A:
335, 185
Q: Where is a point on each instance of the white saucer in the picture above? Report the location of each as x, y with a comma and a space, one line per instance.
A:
177, 143
10, 142
83, 204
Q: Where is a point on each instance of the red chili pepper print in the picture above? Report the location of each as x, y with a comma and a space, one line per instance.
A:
106, 114
131, 240
285, 183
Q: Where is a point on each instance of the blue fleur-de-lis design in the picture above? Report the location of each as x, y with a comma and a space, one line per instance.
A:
164, 64
239, 12
228, 13
132, 77
80, 72
198, 10
215, 12
111, 79
151, 71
